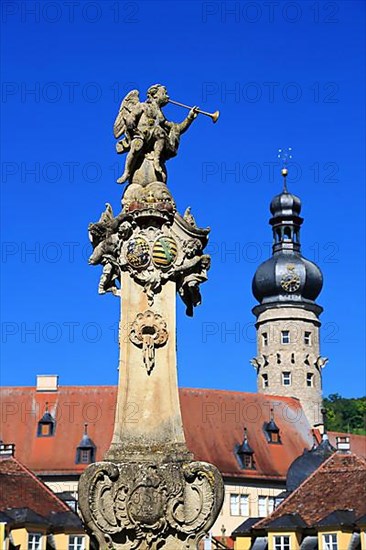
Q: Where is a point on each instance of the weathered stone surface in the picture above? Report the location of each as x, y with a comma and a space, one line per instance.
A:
298, 358
153, 505
148, 138
149, 493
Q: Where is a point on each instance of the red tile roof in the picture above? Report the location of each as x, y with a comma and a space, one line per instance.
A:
338, 484
213, 424
19, 488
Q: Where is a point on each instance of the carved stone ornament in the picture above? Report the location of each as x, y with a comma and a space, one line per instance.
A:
154, 245
145, 505
149, 331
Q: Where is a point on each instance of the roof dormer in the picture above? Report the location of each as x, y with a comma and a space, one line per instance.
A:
245, 454
85, 451
271, 430
46, 425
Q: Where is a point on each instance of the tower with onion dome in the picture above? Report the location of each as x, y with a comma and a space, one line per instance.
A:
287, 285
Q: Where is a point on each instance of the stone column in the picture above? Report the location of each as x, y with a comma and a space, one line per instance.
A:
148, 492
148, 418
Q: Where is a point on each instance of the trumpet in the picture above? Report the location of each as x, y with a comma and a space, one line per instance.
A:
214, 116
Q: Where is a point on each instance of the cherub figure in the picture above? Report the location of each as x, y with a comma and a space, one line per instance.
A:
147, 132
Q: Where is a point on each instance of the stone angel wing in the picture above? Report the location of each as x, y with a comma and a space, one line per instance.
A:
124, 116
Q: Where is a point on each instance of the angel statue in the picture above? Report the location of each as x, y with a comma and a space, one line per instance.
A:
147, 135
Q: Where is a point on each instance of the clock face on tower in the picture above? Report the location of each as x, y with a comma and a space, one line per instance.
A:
290, 281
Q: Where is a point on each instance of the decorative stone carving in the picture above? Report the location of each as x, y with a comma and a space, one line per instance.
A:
147, 493
148, 138
154, 246
149, 331
148, 505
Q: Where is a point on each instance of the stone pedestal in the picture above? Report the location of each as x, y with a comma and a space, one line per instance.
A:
149, 493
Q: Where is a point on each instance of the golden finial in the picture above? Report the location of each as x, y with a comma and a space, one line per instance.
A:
284, 155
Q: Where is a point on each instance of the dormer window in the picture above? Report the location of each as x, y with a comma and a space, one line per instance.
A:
245, 454
271, 430
85, 451
46, 425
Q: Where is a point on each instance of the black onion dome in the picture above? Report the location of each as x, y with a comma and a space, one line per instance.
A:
286, 276
268, 279
285, 204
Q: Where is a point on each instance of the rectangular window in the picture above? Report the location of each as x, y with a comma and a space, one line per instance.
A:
34, 541
307, 338
244, 505
262, 507
248, 462
265, 380
330, 541
282, 543
286, 378
271, 504
85, 456
309, 379
234, 505
76, 542
285, 337
265, 338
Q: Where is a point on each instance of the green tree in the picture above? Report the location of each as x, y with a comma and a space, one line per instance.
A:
345, 415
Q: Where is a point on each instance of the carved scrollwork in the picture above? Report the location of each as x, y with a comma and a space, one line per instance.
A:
153, 247
149, 331
130, 505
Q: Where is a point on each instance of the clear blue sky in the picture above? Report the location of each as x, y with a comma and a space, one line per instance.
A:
281, 73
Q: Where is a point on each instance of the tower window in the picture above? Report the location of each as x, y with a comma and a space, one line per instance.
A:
265, 338
292, 358
309, 379
285, 336
286, 378
307, 338
265, 383
278, 358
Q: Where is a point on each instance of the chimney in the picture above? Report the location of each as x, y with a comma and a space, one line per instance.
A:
6, 449
343, 444
47, 382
